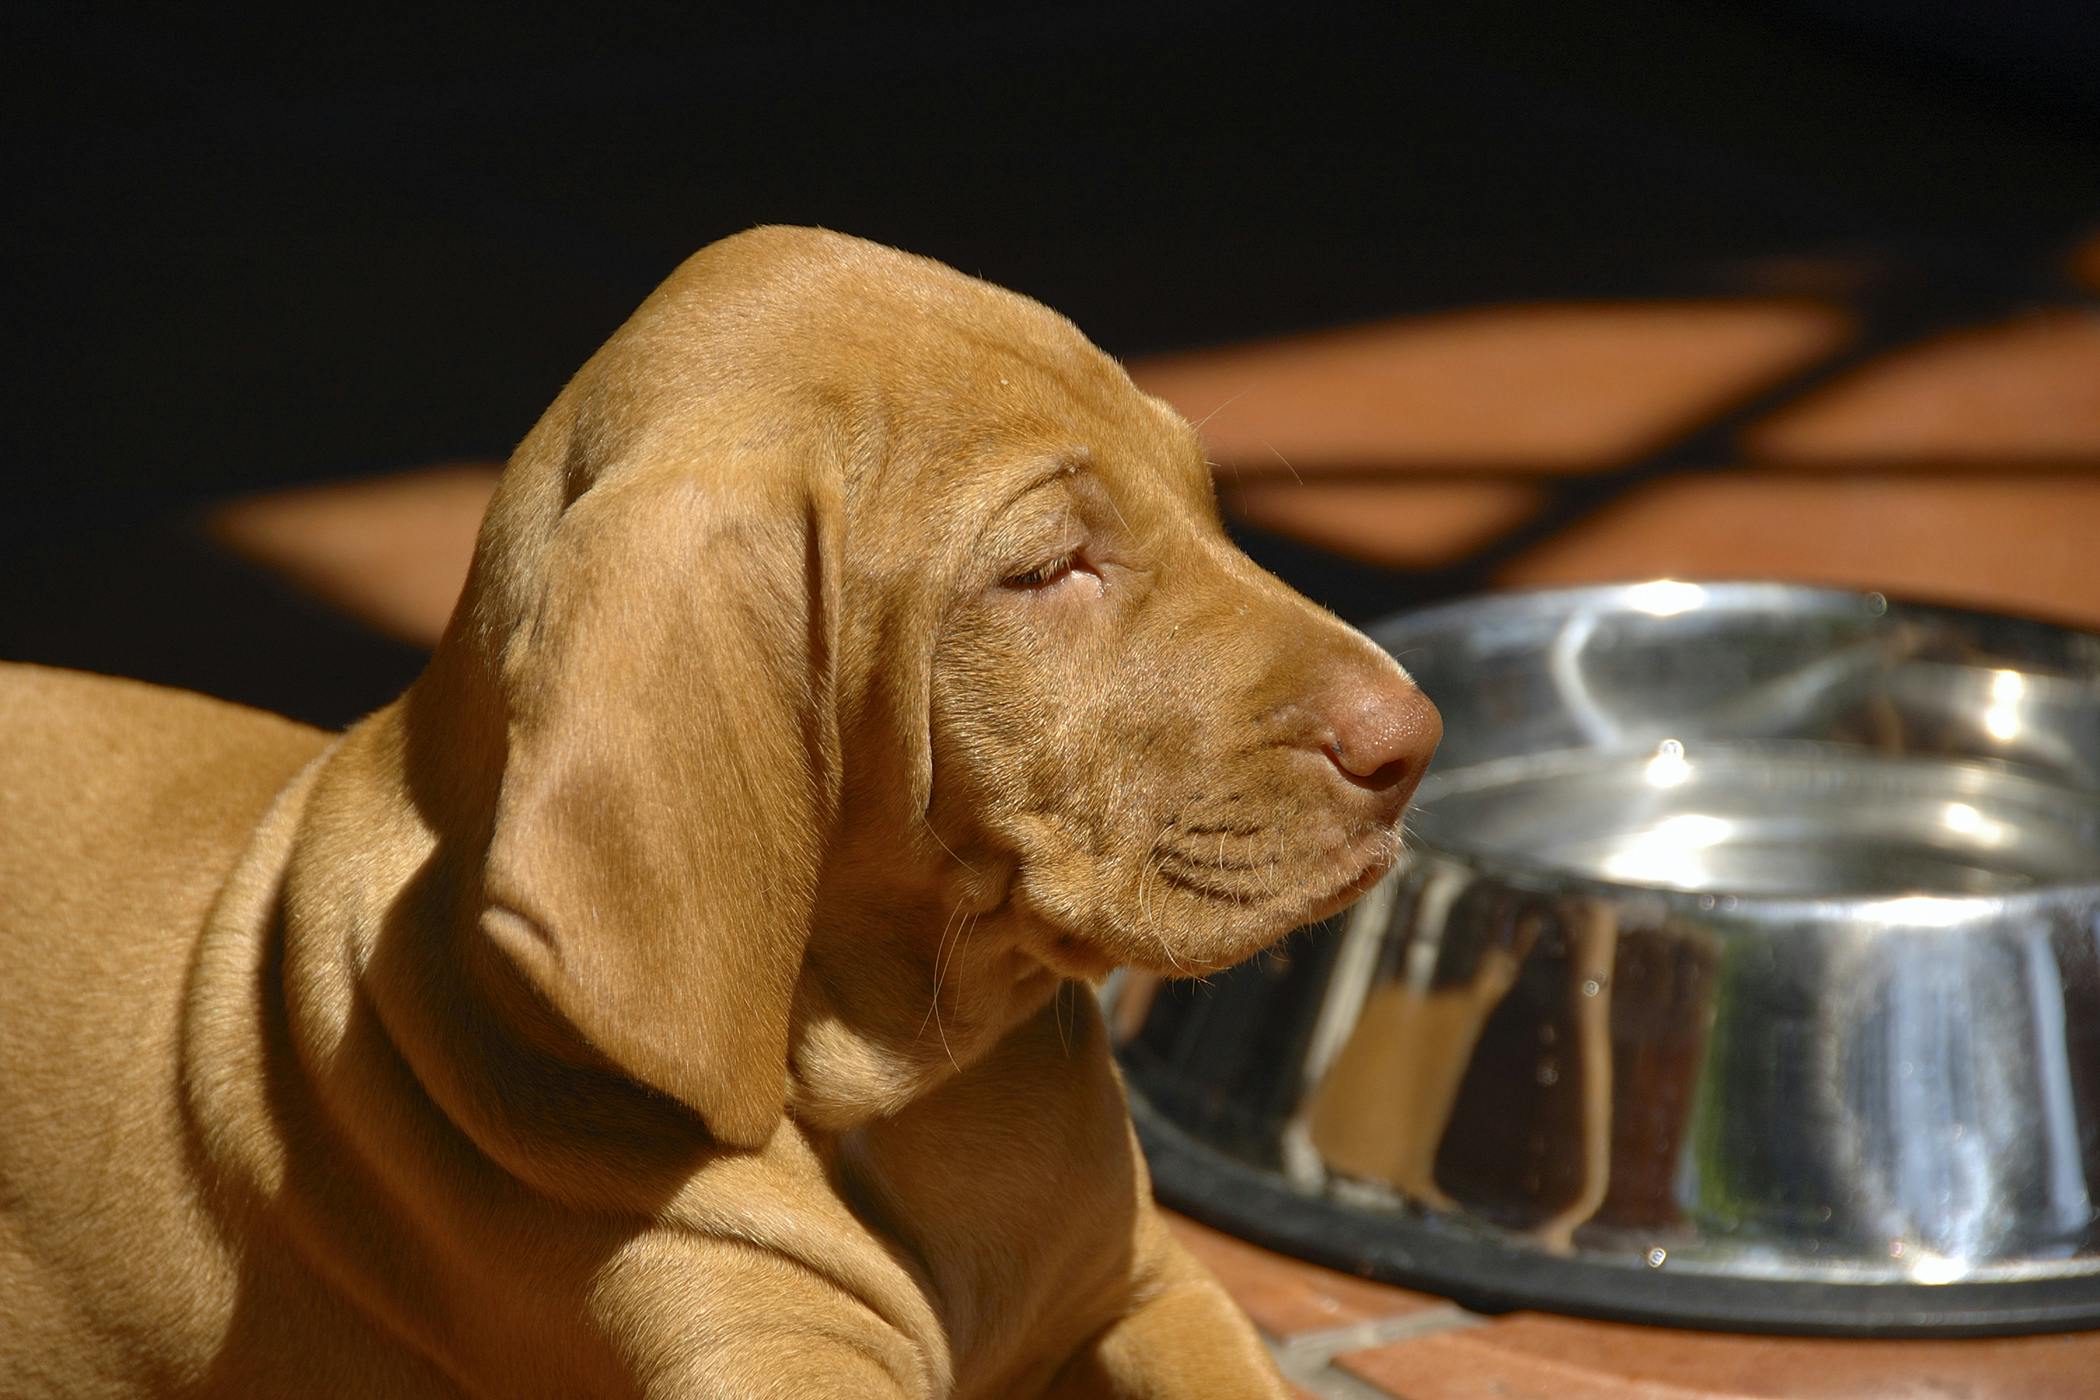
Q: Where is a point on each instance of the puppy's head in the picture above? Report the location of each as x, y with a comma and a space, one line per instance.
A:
1171, 758
838, 581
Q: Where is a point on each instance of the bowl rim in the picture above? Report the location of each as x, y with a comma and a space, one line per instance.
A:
1670, 596
1733, 592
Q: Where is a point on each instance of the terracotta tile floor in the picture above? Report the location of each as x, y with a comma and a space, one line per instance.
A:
1534, 445
1345, 1338
1963, 468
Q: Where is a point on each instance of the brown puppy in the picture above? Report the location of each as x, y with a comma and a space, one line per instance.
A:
668, 996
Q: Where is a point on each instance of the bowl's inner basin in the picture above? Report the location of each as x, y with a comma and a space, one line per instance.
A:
1773, 818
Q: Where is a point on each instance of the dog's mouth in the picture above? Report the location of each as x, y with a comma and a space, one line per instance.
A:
1364, 854
1228, 931
1193, 918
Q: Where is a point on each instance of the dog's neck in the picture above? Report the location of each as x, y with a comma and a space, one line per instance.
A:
898, 994
417, 1012
893, 1004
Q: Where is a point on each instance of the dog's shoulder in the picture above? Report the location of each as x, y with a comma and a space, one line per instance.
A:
102, 780
123, 807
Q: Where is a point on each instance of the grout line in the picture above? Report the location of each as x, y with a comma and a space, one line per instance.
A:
1319, 1348
1328, 1383
1307, 1359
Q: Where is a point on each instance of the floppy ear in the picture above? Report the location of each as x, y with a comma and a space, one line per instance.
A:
672, 777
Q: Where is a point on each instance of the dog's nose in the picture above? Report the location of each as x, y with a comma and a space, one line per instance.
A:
1379, 734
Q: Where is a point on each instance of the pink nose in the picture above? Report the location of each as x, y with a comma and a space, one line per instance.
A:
1379, 733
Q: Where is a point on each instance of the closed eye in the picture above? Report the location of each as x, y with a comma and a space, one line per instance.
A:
1043, 574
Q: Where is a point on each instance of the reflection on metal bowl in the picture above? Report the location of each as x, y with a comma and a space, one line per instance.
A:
1745, 972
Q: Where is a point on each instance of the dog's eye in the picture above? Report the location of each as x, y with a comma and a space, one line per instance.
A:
1042, 574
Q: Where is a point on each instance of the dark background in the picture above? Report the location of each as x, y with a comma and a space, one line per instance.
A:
242, 255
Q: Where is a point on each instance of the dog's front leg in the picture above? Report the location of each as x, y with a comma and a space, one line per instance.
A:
694, 1319
1183, 1339
821, 1370
799, 1359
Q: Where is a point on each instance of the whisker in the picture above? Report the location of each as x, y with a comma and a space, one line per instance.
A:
1283, 459
942, 1032
1195, 884
1145, 919
1214, 828
962, 936
1193, 861
933, 1007
1144, 873
1119, 516
927, 822
1200, 422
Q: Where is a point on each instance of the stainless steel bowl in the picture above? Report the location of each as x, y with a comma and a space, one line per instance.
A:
1746, 972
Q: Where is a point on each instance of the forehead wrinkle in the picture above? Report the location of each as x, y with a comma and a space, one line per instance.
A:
1064, 468
1067, 466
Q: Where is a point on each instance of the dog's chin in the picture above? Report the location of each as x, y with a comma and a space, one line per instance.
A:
1090, 958
1072, 957
1354, 889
